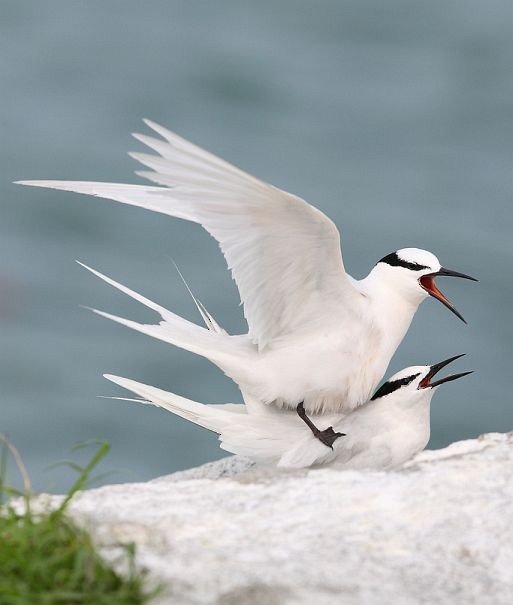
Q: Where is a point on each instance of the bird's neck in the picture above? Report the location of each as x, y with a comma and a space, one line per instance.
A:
392, 312
408, 418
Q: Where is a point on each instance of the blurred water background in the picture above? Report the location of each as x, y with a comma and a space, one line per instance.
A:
392, 117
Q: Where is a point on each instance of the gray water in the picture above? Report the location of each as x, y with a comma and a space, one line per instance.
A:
392, 117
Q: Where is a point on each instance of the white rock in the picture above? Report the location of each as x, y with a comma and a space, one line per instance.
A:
438, 531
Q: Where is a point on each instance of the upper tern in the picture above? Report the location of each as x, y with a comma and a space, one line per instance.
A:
381, 434
317, 337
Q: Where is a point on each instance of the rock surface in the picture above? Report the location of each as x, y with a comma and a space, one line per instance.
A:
439, 530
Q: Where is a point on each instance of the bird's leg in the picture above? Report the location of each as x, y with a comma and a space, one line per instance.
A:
328, 436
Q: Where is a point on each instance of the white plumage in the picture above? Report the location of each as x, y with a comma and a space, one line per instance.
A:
315, 334
381, 434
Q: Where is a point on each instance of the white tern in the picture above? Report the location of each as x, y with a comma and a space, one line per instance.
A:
382, 433
318, 340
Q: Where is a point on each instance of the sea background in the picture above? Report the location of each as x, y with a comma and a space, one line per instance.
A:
394, 118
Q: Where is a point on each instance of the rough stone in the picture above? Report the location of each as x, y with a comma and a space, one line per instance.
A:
438, 530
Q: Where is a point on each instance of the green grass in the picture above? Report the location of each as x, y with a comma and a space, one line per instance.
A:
46, 559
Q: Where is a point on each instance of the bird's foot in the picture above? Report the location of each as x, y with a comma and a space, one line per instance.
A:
327, 436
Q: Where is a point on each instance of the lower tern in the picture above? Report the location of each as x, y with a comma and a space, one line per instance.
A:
381, 434
318, 340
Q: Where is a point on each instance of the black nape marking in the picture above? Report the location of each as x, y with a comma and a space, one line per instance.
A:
394, 261
393, 385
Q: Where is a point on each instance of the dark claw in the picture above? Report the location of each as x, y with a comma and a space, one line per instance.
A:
328, 436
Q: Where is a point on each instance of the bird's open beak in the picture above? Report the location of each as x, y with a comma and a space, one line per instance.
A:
426, 382
427, 282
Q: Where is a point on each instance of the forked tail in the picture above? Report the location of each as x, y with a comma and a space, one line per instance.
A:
256, 437
203, 415
222, 349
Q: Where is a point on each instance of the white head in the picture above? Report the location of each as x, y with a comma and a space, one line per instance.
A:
414, 385
411, 272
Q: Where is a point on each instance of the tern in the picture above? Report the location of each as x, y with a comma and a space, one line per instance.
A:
318, 340
381, 434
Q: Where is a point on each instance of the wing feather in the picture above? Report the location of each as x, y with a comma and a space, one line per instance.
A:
284, 254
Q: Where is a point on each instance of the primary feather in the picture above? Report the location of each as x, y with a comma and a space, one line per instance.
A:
285, 278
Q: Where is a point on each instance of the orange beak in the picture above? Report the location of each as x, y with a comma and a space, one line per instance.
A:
427, 282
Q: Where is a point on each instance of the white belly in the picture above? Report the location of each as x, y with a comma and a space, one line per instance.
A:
328, 372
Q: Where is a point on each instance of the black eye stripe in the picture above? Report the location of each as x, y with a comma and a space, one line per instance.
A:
394, 261
393, 385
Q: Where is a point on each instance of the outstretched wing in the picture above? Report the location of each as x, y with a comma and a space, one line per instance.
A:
284, 254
